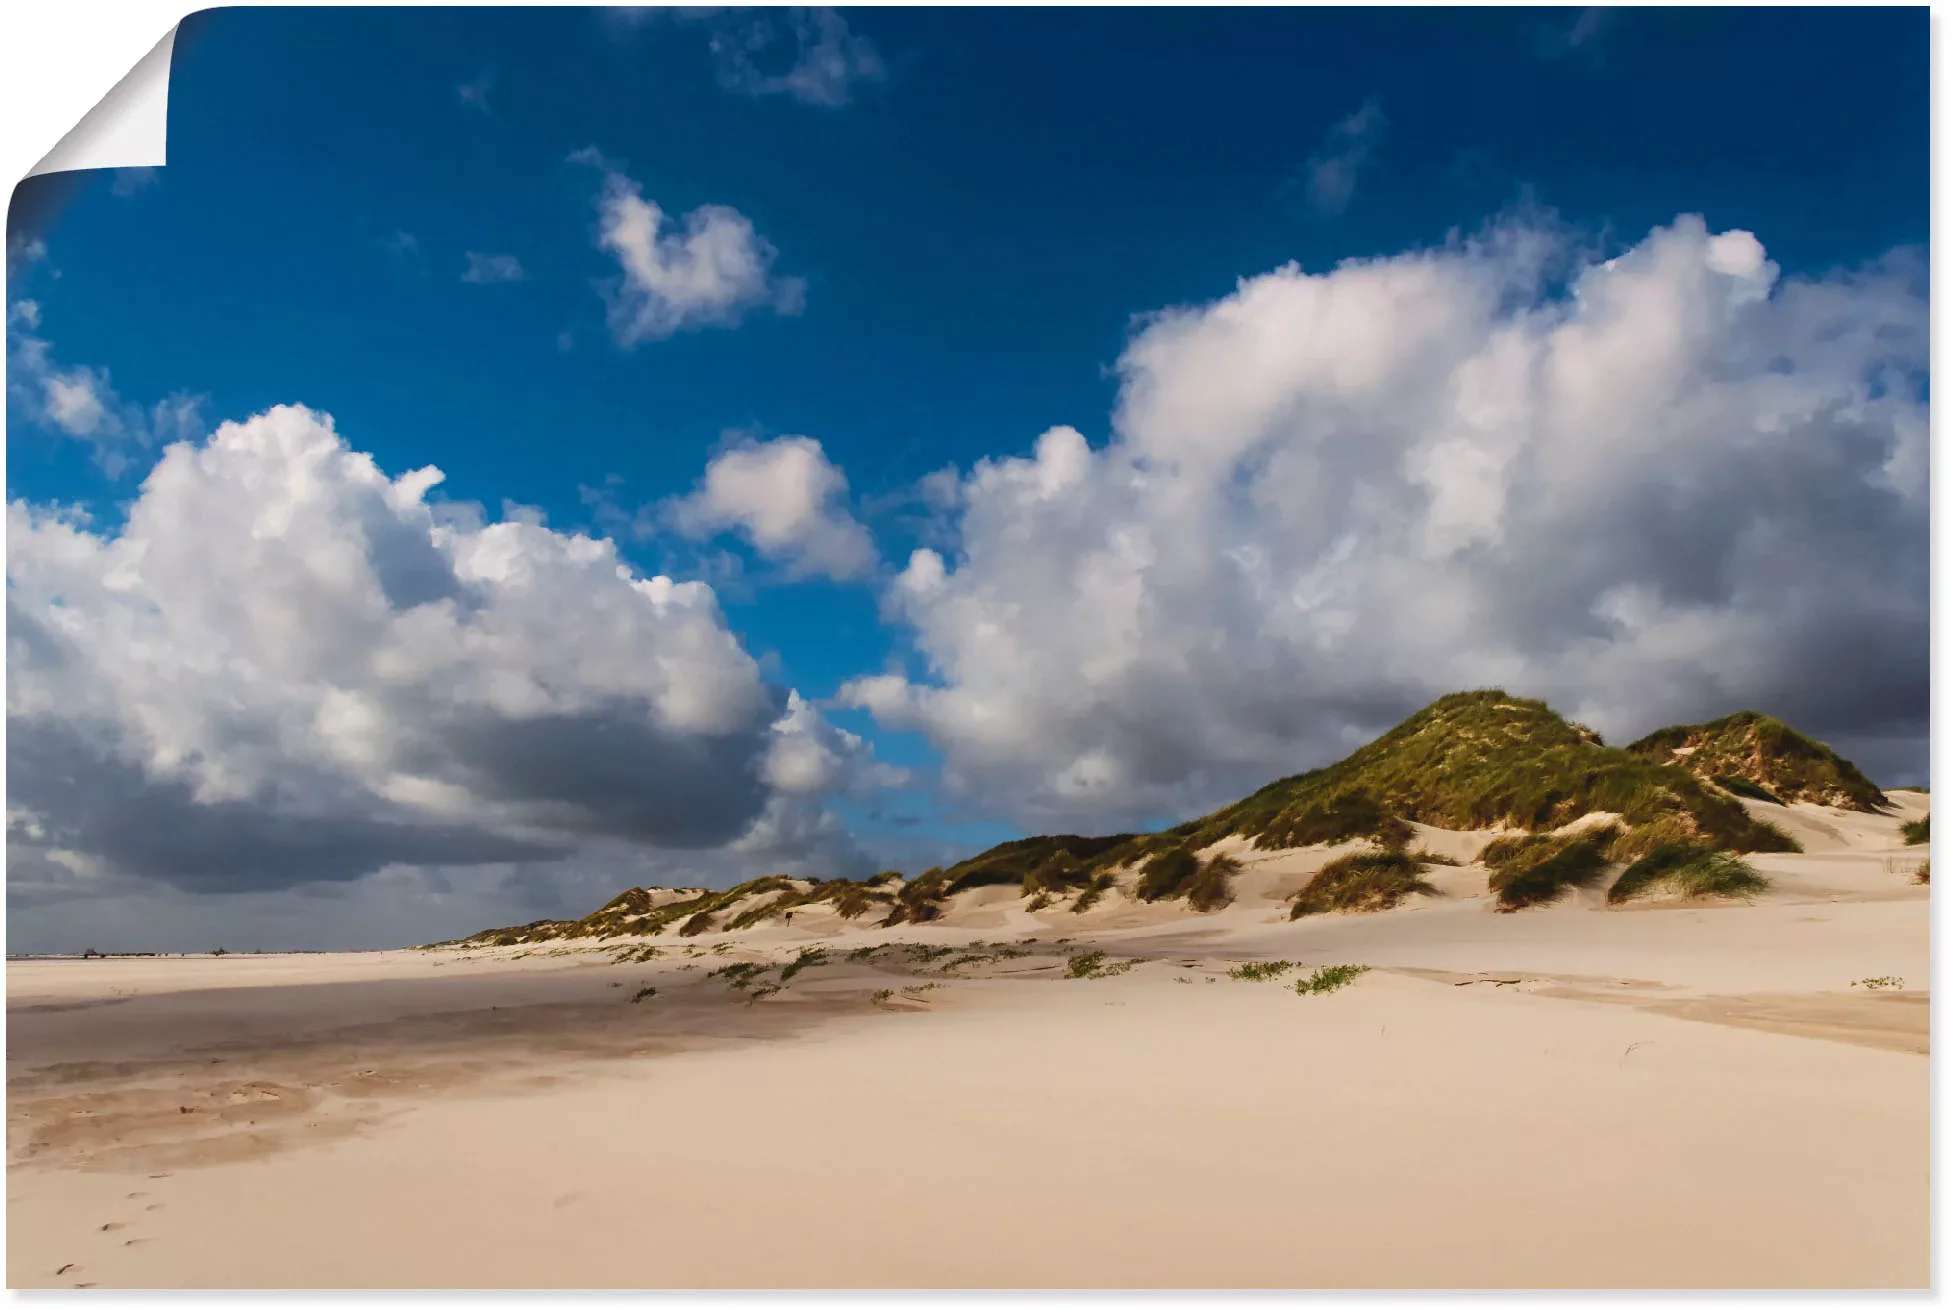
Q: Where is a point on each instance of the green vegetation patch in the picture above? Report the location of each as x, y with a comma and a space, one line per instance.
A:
1919, 831
1092, 964
1363, 883
1333, 977
1261, 970
1691, 868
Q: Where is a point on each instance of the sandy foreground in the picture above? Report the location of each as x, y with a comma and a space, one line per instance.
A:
1674, 1095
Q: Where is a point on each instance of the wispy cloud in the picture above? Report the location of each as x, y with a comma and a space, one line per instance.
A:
1331, 173
1579, 35
492, 268
475, 93
401, 247
133, 181
808, 54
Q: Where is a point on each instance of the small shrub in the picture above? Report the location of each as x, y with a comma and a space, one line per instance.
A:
1040, 901
1261, 971
1432, 857
696, 924
763, 992
1690, 867
1919, 831
644, 993
1330, 978
1923, 877
1084, 965
1880, 983
1363, 883
880, 996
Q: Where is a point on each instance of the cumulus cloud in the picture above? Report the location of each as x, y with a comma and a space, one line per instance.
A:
483, 268
808, 54
289, 669
1664, 486
788, 500
79, 401
1331, 173
708, 274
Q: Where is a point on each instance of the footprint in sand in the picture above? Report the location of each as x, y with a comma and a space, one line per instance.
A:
62, 1269
113, 1227
152, 1208
564, 1201
137, 1240
136, 1195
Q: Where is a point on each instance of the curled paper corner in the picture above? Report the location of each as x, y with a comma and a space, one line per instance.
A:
128, 128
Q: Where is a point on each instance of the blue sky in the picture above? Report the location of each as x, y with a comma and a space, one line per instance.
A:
976, 221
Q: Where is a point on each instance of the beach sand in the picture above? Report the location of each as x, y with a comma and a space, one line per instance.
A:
1680, 1094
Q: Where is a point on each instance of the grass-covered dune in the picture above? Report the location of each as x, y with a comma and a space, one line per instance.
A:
1470, 761
1763, 758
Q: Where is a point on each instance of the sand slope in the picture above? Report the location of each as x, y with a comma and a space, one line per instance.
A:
1686, 1095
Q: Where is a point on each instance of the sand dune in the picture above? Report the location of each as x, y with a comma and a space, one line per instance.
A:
1684, 1094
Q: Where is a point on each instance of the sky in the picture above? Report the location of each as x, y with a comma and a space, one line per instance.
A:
510, 455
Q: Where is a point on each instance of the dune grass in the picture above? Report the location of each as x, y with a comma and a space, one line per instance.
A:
1742, 786
1178, 874
1767, 753
1167, 873
1469, 761
1361, 883
1093, 891
1919, 831
1213, 887
1690, 867
1541, 870
809, 957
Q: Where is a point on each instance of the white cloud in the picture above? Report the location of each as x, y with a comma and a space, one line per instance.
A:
787, 499
288, 668
1651, 489
1338, 162
492, 268
709, 274
81, 402
822, 62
